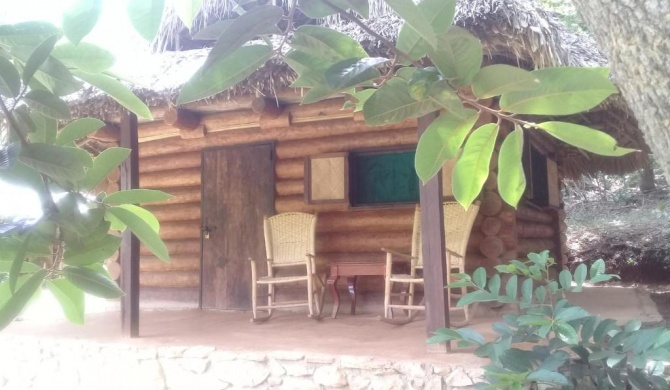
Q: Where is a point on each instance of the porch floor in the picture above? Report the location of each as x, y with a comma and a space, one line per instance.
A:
361, 335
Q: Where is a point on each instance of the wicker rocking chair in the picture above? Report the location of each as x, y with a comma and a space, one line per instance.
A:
457, 226
289, 243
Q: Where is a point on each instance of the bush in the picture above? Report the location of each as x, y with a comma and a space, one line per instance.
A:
564, 346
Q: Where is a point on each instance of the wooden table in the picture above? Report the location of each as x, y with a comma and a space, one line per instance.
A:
351, 270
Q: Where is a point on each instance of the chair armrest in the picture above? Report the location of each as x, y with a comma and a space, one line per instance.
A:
252, 260
403, 255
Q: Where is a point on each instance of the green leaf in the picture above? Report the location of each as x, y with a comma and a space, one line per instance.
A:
604, 327
479, 277
213, 31
597, 268
326, 44
92, 282
441, 141
477, 296
54, 161
92, 252
244, 28
415, 18
511, 287
51, 74
545, 376
633, 325
589, 327
472, 168
79, 20
145, 16
10, 81
440, 13
566, 333
136, 196
47, 104
71, 299
562, 91
443, 335
392, 103
494, 284
443, 94
318, 9
494, 80
38, 56
186, 10
527, 290
106, 161
541, 294
144, 214
86, 56
580, 276
586, 138
17, 263
511, 177
26, 267
143, 230
26, 33
117, 91
458, 55
471, 335
361, 97
421, 81
15, 304
571, 314
565, 277
78, 129
225, 73
352, 72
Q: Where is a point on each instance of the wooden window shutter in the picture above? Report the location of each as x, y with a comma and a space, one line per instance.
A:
327, 178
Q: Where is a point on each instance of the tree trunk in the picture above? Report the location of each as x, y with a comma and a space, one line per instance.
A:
647, 180
636, 38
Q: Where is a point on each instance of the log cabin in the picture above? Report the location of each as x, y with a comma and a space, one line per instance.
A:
254, 150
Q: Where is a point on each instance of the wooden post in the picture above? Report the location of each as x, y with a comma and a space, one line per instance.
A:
130, 245
433, 247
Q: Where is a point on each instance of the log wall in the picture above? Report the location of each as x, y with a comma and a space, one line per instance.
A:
171, 163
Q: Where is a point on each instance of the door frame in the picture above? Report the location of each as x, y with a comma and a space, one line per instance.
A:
273, 156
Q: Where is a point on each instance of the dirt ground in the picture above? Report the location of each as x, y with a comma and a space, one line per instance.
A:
632, 236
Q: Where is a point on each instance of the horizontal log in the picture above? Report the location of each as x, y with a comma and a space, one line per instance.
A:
234, 137
291, 168
491, 182
528, 214
562, 227
177, 230
508, 236
382, 220
155, 129
176, 263
187, 177
563, 238
323, 110
114, 175
507, 215
175, 279
290, 187
529, 229
267, 106
491, 203
230, 120
476, 238
363, 242
491, 226
180, 195
491, 247
176, 212
527, 245
108, 133
170, 162
177, 247
337, 143
297, 203
181, 119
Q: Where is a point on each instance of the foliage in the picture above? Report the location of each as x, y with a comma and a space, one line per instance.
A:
433, 66
66, 247
553, 343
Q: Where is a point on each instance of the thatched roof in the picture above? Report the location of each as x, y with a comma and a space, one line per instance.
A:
511, 31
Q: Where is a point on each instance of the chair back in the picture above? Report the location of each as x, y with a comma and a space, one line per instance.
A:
289, 237
457, 227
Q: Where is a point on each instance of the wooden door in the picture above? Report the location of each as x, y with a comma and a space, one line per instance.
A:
237, 192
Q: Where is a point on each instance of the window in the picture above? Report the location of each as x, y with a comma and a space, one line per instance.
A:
383, 178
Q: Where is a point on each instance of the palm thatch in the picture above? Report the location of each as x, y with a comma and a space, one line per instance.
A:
511, 31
